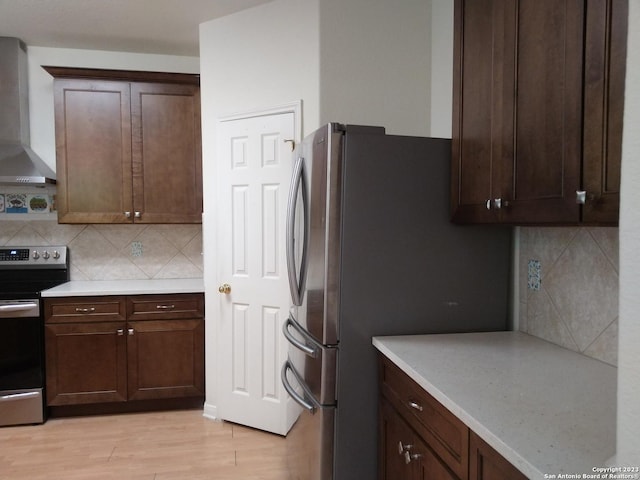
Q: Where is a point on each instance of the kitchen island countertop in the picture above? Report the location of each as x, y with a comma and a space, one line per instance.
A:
78, 288
546, 409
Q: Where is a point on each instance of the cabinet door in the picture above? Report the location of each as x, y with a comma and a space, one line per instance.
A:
487, 464
517, 133
86, 363
403, 454
541, 179
167, 166
605, 62
484, 64
165, 359
93, 151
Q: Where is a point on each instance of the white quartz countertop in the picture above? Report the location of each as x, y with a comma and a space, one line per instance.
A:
125, 287
546, 409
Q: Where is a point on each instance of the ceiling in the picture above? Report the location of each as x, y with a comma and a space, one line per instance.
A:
168, 27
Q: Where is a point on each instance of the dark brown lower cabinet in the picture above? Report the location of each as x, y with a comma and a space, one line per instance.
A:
165, 359
420, 439
86, 363
487, 464
403, 454
96, 355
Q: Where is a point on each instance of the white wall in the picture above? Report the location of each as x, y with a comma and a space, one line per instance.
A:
256, 59
41, 83
442, 68
375, 64
628, 448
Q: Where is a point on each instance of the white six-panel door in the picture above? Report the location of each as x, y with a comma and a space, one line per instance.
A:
254, 168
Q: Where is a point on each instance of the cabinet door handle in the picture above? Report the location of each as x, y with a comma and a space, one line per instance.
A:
414, 405
137, 214
500, 203
85, 310
581, 197
130, 331
402, 448
165, 307
127, 214
488, 204
409, 456
120, 332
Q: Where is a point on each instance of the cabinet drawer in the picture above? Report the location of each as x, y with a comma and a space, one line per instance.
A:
164, 307
84, 309
442, 430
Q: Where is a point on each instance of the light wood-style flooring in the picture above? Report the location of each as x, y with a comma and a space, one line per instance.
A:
140, 446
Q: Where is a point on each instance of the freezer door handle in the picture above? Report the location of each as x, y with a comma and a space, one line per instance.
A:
298, 180
303, 402
308, 347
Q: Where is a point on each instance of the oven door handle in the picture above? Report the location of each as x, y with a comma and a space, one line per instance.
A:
13, 397
18, 307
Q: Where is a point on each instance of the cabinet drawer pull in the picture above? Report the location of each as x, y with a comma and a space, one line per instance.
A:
85, 310
130, 331
120, 332
165, 307
414, 405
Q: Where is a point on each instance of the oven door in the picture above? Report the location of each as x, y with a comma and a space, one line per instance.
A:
21, 362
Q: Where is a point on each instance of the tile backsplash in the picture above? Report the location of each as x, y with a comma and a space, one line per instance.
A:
116, 252
568, 288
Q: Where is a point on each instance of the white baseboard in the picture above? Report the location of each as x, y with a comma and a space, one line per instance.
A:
210, 411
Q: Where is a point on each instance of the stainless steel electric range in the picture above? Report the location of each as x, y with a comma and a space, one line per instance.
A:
25, 271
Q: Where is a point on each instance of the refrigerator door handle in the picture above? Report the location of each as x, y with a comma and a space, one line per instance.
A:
296, 285
303, 402
308, 347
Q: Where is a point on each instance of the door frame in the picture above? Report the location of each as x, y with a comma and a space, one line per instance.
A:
212, 297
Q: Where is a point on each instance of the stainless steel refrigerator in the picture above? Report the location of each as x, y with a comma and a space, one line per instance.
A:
371, 251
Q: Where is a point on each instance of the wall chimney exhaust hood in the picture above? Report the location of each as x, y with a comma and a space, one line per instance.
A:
19, 165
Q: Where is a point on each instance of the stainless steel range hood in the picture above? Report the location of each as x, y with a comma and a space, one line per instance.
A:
19, 165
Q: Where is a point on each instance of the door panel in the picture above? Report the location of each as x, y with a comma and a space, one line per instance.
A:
165, 359
316, 363
605, 51
94, 177
86, 363
166, 153
321, 223
542, 177
254, 169
310, 442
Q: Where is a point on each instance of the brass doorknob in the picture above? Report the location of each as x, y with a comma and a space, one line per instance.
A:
224, 288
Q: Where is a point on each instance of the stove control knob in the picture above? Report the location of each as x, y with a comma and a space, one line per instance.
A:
36, 255
45, 255
56, 254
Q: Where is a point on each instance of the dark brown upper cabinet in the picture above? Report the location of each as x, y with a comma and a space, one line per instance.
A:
537, 111
128, 146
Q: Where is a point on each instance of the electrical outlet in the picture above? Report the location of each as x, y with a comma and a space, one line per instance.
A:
136, 249
534, 275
